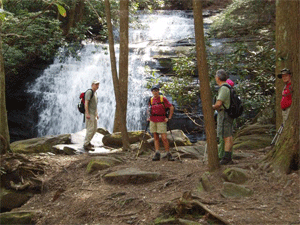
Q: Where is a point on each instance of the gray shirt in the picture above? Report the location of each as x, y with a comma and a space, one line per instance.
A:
92, 102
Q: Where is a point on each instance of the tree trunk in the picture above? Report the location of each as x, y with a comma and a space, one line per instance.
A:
119, 104
123, 64
285, 155
4, 132
205, 92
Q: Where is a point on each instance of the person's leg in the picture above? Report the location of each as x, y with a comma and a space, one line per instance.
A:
156, 141
153, 130
165, 142
221, 146
89, 131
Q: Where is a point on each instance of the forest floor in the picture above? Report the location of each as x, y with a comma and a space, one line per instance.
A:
72, 196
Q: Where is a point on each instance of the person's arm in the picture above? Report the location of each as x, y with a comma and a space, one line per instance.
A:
218, 105
171, 112
86, 106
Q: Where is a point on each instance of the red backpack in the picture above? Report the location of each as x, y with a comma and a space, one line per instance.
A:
80, 105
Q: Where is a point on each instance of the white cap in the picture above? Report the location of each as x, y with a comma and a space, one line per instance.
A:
95, 82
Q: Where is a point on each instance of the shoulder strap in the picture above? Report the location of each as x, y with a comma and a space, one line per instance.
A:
151, 100
91, 91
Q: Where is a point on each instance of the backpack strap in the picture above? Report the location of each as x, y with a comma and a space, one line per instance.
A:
230, 89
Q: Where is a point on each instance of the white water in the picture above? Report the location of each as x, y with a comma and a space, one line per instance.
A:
57, 89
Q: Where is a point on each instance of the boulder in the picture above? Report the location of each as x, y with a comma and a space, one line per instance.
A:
102, 131
254, 136
115, 139
12, 199
235, 175
205, 184
102, 162
20, 217
131, 175
179, 137
41, 144
193, 152
231, 190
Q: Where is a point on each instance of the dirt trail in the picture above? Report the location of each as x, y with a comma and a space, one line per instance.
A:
72, 196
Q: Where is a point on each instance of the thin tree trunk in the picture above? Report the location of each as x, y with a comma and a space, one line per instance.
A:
4, 131
205, 92
285, 155
116, 82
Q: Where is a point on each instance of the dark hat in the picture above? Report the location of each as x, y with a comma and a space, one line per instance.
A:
284, 71
156, 86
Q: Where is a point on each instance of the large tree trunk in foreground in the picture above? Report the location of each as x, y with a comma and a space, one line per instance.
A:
119, 104
123, 63
4, 132
205, 92
285, 155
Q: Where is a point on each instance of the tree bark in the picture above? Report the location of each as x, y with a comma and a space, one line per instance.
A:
123, 63
205, 92
285, 155
119, 104
4, 131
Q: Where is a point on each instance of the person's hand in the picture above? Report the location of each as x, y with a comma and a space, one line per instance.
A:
148, 119
166, 119
88, 116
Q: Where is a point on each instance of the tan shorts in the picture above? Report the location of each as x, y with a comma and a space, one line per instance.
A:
158, 127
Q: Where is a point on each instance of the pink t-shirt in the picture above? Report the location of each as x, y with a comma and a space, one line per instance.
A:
158, 111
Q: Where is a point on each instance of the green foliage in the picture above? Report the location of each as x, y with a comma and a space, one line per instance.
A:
244, 18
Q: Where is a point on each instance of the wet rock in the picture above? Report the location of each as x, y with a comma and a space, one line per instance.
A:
12, 199
179, 137
204, 184
103, 162
231, 190
41, 144
193, 152
21, 217
131, 175
69, 151
103, 131
235, 175
115, 139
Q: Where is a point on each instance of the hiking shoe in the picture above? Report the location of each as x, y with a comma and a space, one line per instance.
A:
156, 157
226, 161
169, 157
88, 148
90, 145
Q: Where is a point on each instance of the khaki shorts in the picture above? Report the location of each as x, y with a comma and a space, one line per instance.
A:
224, 125
158, 127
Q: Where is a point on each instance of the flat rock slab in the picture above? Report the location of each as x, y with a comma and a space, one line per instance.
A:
21, 217
102, 162
231, 190
131, 175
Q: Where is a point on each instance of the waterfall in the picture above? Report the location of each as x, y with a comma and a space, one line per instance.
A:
56, 91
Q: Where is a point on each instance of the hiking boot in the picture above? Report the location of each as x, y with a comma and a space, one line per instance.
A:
88, 148
90, 145
226, 161
156, 157
169, 157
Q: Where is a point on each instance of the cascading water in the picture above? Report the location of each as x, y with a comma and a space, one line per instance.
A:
57, 90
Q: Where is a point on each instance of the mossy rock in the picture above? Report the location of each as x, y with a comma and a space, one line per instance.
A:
115, 139
180, 139
251, 142
131, 175
21, 217
231, 190
172, 220
101, 163
235, 175
11, 199
41, 144
255, 129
